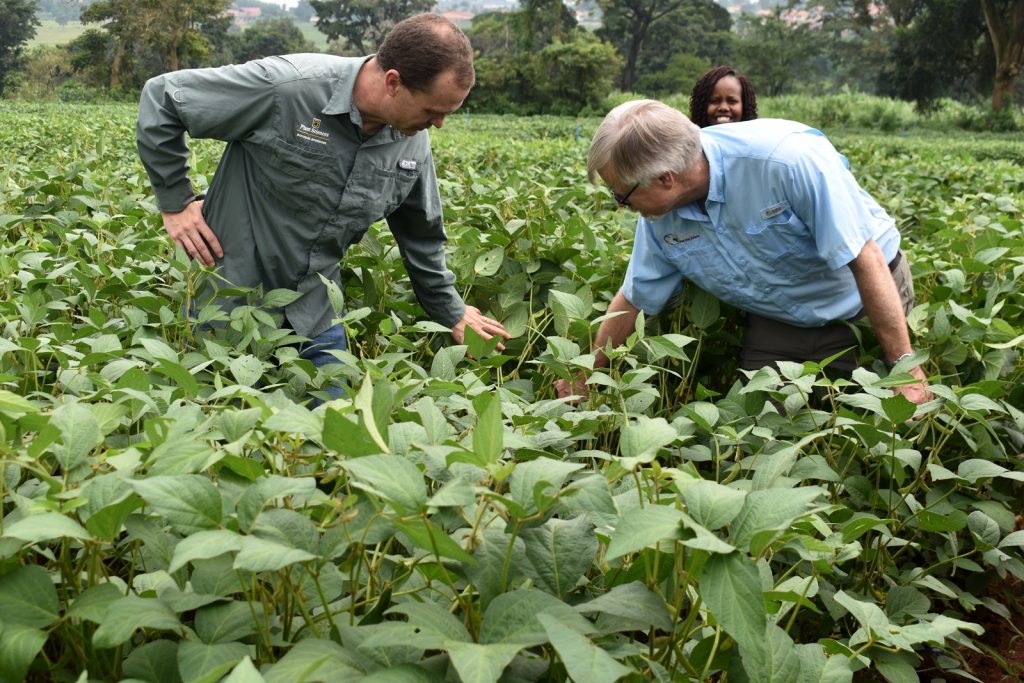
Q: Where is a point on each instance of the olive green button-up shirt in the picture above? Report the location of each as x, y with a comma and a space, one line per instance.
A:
297, 183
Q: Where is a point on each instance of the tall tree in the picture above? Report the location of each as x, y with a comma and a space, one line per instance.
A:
627, 24
268, 37
780, 55
364, 23
172, 28
1005, 22
17, 26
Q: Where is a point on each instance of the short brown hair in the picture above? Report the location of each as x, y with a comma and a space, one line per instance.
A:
422, 47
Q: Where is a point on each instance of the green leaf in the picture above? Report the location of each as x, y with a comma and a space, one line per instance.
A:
489, 262
644, 438
203, 545
445, 360
246, 369
19, 646
817, 667
531, 479
182, 455
279, 298
771, 510
634, 603
80, 433
130, 613
156, 662
704, 311
432, 538
201, 663
644, 527
93, 603
975, 468
28, 598
45, 526
488, 435
776, 662
244, 672
512, 618
348, 435
869, 616
731, 588
392, 478
711, 504
584, 661
433, 619
480, 663
227, 621
269, 488
259, 555
14, 405
190, 502
898, 409
559, 553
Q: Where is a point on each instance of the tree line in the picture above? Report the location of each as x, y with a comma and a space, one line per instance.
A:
537, 59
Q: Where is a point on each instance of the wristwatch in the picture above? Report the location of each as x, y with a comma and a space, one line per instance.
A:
892, 363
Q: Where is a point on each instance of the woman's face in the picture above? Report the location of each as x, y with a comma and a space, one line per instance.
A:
726, 103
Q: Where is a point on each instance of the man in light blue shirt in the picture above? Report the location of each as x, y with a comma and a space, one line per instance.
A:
764, 215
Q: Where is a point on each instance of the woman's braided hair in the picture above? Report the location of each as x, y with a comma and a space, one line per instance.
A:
705, 85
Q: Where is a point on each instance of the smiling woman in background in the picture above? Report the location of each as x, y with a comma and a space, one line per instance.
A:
722, 95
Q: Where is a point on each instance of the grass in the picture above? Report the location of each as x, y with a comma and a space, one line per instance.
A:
50, 32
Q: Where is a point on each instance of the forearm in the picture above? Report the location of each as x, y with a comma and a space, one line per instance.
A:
881, 301
615, 328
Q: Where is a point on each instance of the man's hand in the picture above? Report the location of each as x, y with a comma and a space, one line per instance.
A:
578, 387
485, 327
189, 230
917, 393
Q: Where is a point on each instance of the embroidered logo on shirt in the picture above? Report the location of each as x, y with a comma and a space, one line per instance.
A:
772, 211
676, 240
407, 164
312, 132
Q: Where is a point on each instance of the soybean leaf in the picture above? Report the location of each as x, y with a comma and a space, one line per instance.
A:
203, 545
731, 588
224, 622
19, 646
559, 553
80, 433
584, 661
633, 602
189, 502
244, 672
392, 478
434, 619
28, 598
644, 527
489, 262
45, 526
156, 661
711, 504
530, 479
645, 437
769, 510
480, 663
512, 618
127, 614
259, 555
432, 538
202, 663
488, 435
776, 662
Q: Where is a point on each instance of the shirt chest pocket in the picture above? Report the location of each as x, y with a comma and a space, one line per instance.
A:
392, 186
693, 254
300, 177
778, 234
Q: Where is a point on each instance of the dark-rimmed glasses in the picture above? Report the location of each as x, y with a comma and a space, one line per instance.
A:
623, 199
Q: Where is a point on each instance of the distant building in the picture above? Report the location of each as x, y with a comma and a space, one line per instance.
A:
244, 15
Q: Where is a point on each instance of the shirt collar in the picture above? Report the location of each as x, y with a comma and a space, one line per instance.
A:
716, 172
341, 101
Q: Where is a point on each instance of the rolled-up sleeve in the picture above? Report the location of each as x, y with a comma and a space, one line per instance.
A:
225, 103
418, 227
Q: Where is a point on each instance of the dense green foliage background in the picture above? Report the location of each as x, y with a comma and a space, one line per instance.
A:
172, 510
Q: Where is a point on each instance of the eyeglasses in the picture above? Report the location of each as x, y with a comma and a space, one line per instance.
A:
623, 200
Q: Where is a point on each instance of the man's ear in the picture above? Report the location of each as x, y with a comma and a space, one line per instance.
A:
666, 179
392, 81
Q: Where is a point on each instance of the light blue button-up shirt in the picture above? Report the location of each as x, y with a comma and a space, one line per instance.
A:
784, 216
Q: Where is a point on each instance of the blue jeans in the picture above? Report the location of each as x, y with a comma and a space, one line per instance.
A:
316, 352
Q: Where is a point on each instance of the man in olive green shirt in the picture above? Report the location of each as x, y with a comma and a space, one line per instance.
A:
319, 148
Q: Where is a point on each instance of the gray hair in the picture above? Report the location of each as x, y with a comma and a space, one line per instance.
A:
642, 140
